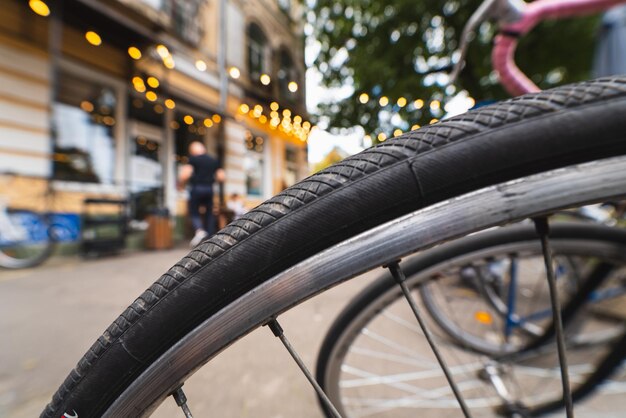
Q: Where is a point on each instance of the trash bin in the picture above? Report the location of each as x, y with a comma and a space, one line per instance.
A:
159, 232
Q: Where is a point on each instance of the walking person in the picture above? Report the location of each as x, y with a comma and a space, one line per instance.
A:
199, 174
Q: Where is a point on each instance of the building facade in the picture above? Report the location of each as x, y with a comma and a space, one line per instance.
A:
102, 98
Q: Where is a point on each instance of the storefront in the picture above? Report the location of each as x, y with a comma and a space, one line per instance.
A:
92, 107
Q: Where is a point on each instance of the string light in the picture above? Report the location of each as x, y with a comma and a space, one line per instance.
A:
153, 82
401, 102
382, 137
86, 106
134, 52
383, 101
234, 72
364, 98
415, 127
201, 65
435, 105
299, 129
397, 132
162, 51
166, 56
138, 84
169, 62
39, 7
418, 104
93, 38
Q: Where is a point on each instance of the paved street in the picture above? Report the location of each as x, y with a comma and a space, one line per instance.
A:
50, 315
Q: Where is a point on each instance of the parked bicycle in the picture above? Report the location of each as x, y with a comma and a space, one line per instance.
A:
368, 364
25, 237
518, 159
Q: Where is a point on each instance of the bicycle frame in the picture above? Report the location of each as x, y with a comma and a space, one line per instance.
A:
512, 320
528, 16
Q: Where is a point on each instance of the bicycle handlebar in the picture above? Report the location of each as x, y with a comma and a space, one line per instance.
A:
503, 55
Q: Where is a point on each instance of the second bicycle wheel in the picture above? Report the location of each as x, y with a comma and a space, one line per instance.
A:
371, 363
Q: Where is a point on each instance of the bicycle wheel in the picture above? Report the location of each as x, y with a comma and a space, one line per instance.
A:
499, 321
367, 366
493, 145
25, 240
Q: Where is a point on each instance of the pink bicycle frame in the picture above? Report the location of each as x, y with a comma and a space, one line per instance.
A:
503, 54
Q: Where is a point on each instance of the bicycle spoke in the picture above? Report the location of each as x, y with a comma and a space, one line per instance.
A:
542, 227
399, 276
394, 345
277, 330
387, 356
181, 400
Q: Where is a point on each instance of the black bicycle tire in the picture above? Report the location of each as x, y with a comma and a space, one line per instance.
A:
41, 256
517, 234
484, 147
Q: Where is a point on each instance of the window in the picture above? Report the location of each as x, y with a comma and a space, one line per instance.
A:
286, 74
257, 44
253, 164
147, 155
185, 22
146, 176
84, 118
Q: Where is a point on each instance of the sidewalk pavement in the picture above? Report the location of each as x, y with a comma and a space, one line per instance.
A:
50, 315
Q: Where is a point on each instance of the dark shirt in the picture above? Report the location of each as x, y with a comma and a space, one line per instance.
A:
204, 168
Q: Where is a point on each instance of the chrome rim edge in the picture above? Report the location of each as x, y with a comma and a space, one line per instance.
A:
450, 219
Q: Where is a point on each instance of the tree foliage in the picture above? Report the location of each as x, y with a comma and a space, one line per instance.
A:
384, 47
